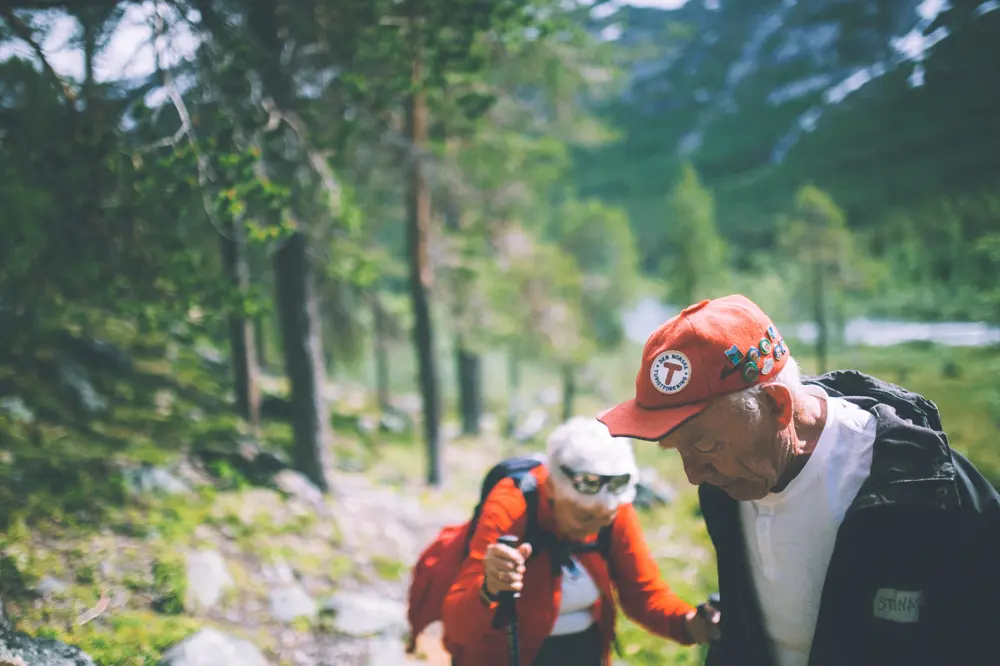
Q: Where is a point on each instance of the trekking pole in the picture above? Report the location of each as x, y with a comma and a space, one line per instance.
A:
509, 605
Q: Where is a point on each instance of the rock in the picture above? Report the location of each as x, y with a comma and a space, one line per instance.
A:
100, 353
19, 649
362, 615
386, 652
75, 378
290, 602
489, 423
275, 408
153, 480
209, 354
532, 426
49, 586
16, 408
207, 578
268, 463
367, 424
652, 491
298, 485
398, 540
549, 396
397, 423
278, 572
209, 647
409, 404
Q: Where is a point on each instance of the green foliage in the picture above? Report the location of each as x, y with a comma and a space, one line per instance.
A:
169, 585
819, 251
599, 240
696, 265
390, 569
132, 638
537, 290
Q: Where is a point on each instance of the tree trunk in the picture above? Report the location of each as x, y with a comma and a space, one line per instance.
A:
260, 340
242, 346
513, 394
301, 341
569, 391
418, 230
820, 316
381, 353
839, 319
468, 363
469, 387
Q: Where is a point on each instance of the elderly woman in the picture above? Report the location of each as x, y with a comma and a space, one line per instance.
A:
566, 611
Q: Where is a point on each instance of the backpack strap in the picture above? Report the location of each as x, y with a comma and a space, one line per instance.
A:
527, 483
604, 542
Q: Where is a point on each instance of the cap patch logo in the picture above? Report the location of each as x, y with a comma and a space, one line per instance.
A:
765, 346
759, 360
734, 355
670, 372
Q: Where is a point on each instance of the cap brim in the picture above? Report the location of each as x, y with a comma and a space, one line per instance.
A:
630, 420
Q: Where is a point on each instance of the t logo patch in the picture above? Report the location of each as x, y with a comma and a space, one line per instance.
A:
898, 605
670, 368
670, 372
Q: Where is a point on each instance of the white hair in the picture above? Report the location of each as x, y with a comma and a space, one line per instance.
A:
585, 445
749, 401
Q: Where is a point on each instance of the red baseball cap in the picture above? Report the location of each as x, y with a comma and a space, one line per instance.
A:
710, 349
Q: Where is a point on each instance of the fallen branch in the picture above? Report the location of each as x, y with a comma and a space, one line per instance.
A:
96, 611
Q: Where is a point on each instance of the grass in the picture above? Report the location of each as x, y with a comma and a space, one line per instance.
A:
132, 638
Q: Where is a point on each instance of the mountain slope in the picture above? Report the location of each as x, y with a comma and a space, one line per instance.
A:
868, 99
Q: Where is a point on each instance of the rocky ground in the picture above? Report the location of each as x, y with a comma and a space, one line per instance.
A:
253, 575
219, 555
188, 575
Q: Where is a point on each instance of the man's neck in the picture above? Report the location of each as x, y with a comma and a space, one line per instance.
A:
810, 419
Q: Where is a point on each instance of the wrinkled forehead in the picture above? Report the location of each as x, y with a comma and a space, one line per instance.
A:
720, 421
684, 435
713, 420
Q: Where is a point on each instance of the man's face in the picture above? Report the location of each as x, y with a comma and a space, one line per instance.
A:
724, 447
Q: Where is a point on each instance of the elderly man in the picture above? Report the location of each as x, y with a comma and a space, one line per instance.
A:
847, 531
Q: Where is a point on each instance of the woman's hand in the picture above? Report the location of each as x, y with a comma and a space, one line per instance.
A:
702, 624
504, 567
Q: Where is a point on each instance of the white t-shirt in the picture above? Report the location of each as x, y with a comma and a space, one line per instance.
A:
790, 535
579, 594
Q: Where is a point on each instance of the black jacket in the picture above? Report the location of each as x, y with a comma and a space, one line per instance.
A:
914, 578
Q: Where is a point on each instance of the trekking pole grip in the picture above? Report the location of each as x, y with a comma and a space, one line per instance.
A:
511, 541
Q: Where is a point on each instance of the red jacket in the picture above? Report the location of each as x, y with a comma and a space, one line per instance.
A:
644, 596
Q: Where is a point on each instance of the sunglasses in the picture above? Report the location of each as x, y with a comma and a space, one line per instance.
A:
591, 484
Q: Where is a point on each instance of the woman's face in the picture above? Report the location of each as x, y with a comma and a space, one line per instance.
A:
576, 520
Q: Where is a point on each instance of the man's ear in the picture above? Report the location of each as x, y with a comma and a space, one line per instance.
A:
779, 399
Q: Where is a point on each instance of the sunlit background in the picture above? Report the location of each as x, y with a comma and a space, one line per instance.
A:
279, 281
